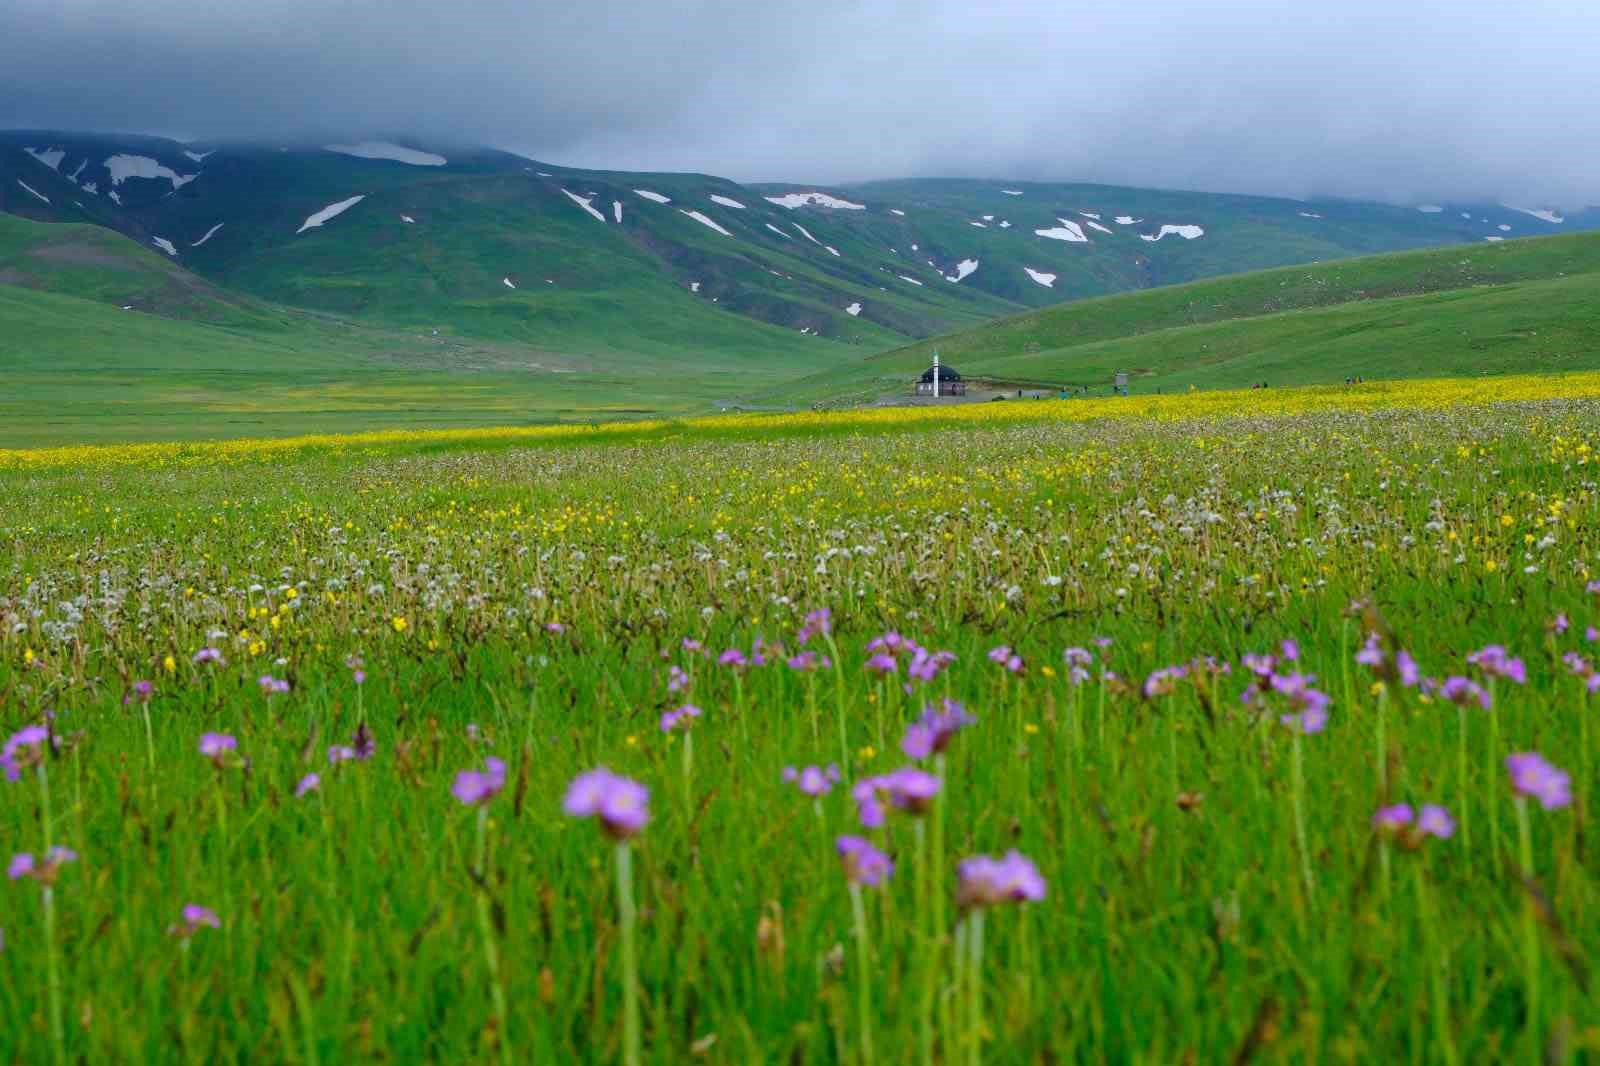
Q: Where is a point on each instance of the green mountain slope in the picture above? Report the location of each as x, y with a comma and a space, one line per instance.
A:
1521, 305
482, 244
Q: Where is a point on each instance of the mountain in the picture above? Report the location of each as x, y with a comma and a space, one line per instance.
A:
482, 244
1512, 306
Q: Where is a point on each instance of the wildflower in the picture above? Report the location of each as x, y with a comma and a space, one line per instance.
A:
272, 686
732, 657
1309, 707
363, 743
622, 805
807, 661
473, 787
399, 623
195, 918
863, 863
684, 716
1493, 661
1559, 624
932, 733
1580, 667
693, 647
140, 691
340, 753
908, 789
818, 623
1532, 775
23, 864
1395, 817
891, 642
1007, 659
23, 749
677, 679
1162, 682
1463, 691
984, 881
812, 780
209, 655
309, 783
358, 668
169, 664
882, 663
216, 746
1434, 820
925, 665
1077, 661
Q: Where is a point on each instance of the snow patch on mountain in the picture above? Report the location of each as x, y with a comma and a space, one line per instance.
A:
854, 309
1067, 231
694, 286
394, 153
913, 281
964, 270
508, 283
1012, 192
50, 157
1098, 226
328, 213
1004, 224
726, 201
1127, 220
616, 209
1047, 280
1540, 213
209, 234
73, 177
980, 225
831, 249
31, 189
1309, 214
165, 245
704, 221
408, 219
1429, 209
779, 232
1089, 214
200, 157
897, 211
115, 198
816, 199
1503, 228
805, 233
1188, 233
1494, 238
123, 167
648, 195
585, 202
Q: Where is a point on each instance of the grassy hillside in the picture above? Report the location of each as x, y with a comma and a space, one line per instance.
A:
1490, 308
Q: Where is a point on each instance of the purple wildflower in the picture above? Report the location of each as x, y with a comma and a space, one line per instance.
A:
272, 686
1309, 706
340, 753
141, 691
1394, 817
1077, 661
677, 679
683, 716
732, 657
24, 864
908, 789
926, 665
216, 746
882, 663
21, 866
475, 787
363, 743
358, 668
309, 783
808, 661
891, 642
1434, 820
1560, 623
984, 881
1463, 691
23, 749
1162, 682
818, 623
1493, 661
863, 863
814, 781
1581, 668
195, 918
932, 733
1007, 659
1532, 775
622, 805
209, 655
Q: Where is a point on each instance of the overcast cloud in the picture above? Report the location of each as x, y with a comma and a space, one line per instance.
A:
1402, 100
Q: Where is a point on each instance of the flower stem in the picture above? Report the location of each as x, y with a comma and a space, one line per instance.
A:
838, 703
1530, 927
1299, 788
975, 986
930, 947
1491, 766
863, 973
630, 963
491, 953
1461, 774
1436, 967
58, 1038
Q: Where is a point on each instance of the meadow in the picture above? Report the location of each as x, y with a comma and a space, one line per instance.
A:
1280, 700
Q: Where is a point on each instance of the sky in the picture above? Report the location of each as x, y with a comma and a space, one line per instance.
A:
1399, 100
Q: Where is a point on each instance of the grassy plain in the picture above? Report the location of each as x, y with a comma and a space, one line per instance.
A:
1217, 890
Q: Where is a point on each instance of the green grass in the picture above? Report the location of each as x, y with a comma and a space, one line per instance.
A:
1216, 891
1525, 305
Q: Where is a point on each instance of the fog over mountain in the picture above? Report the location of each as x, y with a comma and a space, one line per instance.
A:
1400, 100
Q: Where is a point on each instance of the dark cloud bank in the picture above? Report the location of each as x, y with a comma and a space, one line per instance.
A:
1390, 99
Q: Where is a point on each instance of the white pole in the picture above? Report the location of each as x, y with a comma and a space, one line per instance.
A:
936, 375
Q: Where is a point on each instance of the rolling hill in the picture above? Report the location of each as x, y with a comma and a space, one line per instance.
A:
484, 244
1521, 305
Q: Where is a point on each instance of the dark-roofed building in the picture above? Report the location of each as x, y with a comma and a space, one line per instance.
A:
948, 378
